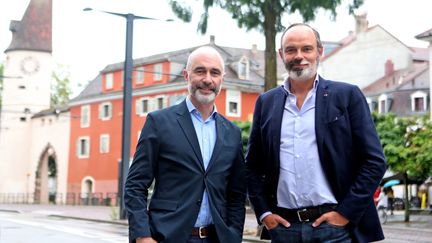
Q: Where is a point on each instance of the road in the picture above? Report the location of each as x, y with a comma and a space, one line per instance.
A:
396, 234
40, 228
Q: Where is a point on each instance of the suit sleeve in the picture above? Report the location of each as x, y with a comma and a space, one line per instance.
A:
140, 177
372, 167
255, 164
237, 192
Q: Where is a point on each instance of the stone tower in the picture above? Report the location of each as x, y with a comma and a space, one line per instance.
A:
26, 91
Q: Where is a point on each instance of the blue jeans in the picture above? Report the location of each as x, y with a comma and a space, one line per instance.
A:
304, 232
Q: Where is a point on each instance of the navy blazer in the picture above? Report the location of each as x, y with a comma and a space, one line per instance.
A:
348, 145
168, 152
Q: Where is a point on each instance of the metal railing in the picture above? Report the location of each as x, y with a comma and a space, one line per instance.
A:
70, 198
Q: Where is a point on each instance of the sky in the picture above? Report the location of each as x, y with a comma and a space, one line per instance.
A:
85, 42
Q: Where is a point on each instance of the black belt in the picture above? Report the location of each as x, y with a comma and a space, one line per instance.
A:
304, 214
203, 232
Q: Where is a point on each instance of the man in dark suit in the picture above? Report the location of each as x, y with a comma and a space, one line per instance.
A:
194, 155
314, 158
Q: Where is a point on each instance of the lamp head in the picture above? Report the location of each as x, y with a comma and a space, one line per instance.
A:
87, 9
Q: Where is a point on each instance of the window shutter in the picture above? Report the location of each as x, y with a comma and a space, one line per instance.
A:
78, 145
100, 111
138, 106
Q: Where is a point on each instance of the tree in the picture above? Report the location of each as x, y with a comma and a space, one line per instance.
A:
60, 90
407, 147
245, 127
264, 16
407, 144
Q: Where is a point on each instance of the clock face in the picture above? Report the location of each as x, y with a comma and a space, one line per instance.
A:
29, 65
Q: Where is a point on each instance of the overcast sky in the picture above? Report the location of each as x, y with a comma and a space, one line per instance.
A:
86, 42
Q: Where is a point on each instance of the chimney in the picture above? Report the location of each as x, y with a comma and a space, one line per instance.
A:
254, 49
361, 23
212, 39
388, 68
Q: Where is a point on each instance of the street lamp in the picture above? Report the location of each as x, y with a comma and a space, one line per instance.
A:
127, 101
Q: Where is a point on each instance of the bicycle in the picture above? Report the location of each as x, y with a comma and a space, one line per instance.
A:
382, 214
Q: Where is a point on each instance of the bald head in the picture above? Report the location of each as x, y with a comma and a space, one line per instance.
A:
206, 52
305, 27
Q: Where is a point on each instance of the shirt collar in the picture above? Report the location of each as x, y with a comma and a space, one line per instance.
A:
192, 108
286, 84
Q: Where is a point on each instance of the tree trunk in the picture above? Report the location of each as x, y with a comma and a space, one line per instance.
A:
270, 75
407, 204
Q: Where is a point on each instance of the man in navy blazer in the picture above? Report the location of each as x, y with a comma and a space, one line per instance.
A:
314, 157
194, 156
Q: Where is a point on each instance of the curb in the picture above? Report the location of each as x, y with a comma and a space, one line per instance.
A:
88, 219
9, 211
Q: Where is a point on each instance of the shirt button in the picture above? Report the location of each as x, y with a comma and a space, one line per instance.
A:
297, 156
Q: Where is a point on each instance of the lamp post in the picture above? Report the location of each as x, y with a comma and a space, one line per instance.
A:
127, 102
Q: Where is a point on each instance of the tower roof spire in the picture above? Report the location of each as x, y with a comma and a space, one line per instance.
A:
34, 31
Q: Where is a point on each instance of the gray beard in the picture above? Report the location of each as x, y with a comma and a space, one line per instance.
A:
304, 74
203, 99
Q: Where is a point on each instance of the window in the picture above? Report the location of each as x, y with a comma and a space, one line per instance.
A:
105, 111
233, 107
372, 103
139, 75
83, 147
176, 99
104, 143
233, 103
160, 102
243, 68
383, 103
85, 116
157, 72
143, 106
419, 104
109, 81
418, 101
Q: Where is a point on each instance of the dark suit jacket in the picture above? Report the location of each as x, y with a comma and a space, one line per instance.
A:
348, 146
168, 152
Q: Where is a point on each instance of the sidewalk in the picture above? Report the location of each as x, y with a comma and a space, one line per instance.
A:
100, 214
106, 214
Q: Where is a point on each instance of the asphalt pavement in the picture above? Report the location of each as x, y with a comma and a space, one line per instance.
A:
418, 222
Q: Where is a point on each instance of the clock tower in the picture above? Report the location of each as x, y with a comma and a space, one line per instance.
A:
26, 91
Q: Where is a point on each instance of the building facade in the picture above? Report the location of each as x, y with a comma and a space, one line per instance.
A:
96, 124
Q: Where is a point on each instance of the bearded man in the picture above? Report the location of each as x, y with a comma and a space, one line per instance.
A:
314, 158
194, 155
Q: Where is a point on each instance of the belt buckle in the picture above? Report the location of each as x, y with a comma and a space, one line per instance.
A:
299, 215
199, 233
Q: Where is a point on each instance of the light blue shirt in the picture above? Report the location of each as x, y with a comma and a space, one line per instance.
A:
302, 182
206, 134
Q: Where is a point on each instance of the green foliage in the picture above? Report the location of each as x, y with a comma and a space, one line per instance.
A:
262, 15
60, 90
245, 132
407, 144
